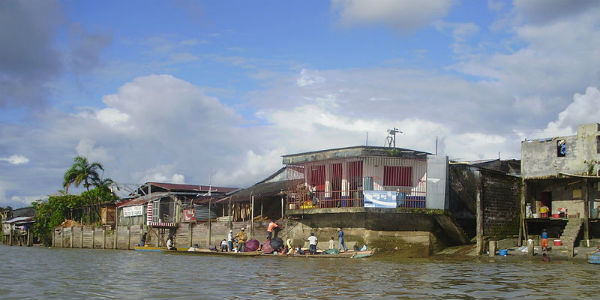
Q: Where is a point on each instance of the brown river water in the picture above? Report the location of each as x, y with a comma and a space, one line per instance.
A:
44, 273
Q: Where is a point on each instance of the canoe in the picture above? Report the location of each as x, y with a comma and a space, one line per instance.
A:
352, 254
157, 249
210, 252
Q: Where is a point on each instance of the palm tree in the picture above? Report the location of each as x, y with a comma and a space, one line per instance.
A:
82, 172
107, 184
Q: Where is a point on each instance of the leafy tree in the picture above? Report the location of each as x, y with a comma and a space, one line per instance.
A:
53, 212
82, 172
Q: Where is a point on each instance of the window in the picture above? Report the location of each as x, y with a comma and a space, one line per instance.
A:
561, 148
355, 173
317, 177
397, 176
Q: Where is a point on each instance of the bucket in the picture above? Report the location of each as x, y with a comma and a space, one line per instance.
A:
557, 243
556, 216
503, 252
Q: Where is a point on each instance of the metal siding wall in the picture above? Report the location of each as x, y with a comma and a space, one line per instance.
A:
437, 190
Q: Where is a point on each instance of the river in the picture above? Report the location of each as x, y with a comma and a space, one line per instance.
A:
44, 273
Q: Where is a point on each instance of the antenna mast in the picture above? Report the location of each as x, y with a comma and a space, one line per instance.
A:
391, 138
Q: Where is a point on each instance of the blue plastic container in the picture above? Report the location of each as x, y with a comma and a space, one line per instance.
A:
503, 252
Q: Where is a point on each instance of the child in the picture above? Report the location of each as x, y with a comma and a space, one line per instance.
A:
331, 243
224, 245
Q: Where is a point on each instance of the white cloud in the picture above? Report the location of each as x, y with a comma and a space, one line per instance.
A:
158, 177
112, 117
15, 159
583, 110
88, 149
404, 15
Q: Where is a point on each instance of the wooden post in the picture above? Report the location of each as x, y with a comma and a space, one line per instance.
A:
479, 217
93, 236
53, 237
261, 208
103, 237
209, 233
128, 237
530, 248
62, 237
252, 219
522, 227
586, 212
492, 248
230, 215
10, 235
71, 238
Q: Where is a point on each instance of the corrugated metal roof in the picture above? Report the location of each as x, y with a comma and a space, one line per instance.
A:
141, 200
192, 187
19, 220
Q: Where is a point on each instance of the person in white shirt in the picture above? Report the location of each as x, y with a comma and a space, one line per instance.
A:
230, 240
312, 243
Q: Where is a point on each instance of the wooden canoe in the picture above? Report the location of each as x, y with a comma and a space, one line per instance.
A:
352, 254
210, 252
157, 249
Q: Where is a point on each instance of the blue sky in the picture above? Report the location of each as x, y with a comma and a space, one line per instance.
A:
183, 91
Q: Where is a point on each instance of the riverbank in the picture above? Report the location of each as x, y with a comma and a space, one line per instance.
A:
469, 252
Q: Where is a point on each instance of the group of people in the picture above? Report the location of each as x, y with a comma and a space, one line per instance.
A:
240, 239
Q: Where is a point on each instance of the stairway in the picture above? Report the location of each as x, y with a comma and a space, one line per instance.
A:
570, 233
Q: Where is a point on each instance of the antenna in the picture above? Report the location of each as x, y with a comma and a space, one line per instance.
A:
391, 138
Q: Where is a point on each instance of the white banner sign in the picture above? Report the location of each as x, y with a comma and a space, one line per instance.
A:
132, 211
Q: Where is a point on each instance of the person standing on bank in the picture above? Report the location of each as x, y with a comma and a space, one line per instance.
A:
241, 238
341, 243
270, 228
544, 241
230, 240
312, 243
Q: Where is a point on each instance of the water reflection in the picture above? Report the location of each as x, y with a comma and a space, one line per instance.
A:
33, 273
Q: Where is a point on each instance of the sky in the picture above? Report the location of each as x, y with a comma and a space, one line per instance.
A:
214, 92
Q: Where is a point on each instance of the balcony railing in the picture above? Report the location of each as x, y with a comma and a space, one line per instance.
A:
334, 199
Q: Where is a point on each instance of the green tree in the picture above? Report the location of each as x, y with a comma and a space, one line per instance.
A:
82, 172
52, 212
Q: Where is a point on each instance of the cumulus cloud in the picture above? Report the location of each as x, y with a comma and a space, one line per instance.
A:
584, 109
403, 15
16, 159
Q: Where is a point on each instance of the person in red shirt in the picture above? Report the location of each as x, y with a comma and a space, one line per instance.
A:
270, 228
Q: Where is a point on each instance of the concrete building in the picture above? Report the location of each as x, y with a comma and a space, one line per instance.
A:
381, 196
561, 173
